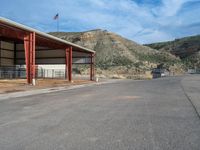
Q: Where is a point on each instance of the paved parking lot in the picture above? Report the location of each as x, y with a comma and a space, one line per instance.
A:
126, 115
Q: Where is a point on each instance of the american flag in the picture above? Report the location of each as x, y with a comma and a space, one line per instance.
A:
56, 17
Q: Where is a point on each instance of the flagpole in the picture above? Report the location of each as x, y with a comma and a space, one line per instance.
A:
58, 25
56, 17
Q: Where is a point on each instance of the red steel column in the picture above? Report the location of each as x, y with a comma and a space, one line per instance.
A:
33, 55
66, 63
27, 57
92, 67
0, 52
29, 46
70, 64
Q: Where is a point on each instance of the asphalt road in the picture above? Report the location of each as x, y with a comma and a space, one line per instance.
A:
126, 115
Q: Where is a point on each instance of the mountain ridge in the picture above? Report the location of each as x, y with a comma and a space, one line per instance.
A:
114, 50
187, 48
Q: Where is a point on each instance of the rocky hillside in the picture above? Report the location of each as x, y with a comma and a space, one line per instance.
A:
114, 50
188, 49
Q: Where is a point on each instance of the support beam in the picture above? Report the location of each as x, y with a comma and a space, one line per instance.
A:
15, 59
66, 63
94, 66
29, 46
27, 57
91, 67
33, 57
0, 52
11, 33
92, 72
48, 43
70, 64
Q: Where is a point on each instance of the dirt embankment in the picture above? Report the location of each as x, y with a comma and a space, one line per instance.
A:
9, 86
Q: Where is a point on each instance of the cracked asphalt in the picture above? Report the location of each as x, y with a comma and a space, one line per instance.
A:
125, 115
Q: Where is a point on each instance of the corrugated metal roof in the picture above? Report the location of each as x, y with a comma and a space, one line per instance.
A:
26, 28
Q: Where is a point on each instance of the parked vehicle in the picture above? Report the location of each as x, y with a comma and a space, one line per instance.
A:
158, 73
194, 71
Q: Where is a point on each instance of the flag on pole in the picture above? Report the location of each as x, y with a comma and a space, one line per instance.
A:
56, 17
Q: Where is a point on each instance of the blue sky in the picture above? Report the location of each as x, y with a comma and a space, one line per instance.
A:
144, 21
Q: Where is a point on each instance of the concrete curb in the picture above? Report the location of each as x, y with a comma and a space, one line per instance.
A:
50, 90
191, 87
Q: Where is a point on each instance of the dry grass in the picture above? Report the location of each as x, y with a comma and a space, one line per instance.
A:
8, 86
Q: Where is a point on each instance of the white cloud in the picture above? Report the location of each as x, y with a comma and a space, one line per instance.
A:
171, 7
142, 23
150, 36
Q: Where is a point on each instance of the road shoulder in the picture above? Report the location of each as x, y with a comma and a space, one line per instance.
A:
52, 89
191, 86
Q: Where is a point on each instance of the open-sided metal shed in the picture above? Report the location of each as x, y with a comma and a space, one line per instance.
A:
22, 45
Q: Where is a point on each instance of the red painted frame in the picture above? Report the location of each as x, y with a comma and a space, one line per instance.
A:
29, 46
30, 40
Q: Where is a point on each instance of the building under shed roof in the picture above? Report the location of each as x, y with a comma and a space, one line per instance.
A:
22, 45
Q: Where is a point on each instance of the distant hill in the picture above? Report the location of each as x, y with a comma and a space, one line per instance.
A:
188, 49
114, 50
